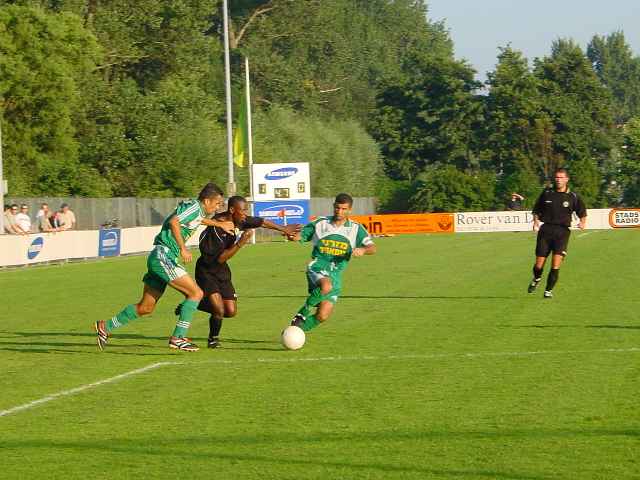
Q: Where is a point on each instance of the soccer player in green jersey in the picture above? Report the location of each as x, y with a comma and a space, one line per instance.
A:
164, 268
335, 240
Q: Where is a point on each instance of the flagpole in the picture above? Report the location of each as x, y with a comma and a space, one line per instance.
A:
249, 137
231, 184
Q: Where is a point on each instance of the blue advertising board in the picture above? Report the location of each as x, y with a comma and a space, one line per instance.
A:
296, 211
109, 242
35, 247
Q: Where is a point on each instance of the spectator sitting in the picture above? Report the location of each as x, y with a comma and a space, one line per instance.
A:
23, 219
66, 217
44, 210
43, 220
10, 224
515, 203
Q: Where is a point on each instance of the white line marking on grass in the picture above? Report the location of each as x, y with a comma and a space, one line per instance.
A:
73, 391
426, 356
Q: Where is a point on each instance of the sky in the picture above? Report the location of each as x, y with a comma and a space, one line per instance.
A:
478, 28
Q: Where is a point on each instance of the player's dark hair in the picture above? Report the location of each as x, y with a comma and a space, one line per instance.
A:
210, 190
235, 201
343, 198
561, 170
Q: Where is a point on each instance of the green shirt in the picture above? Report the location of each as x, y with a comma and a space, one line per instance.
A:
190, 215
334, 244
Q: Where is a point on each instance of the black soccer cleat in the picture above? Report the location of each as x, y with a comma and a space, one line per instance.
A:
213, 342
533, 285
101, 334
298, 320
548, 294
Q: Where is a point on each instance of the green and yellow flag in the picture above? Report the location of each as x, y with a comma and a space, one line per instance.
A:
241, 135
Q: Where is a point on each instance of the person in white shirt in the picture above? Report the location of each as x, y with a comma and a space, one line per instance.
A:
66, 217
23, 219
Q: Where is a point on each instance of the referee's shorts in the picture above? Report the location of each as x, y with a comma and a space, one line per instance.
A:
214, 281
552, 238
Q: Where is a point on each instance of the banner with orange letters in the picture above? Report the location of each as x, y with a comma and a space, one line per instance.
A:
406, 223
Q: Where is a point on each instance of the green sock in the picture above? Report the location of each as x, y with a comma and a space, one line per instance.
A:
310, 323
125, 316
184, 320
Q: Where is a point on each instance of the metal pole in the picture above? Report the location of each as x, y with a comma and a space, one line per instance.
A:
249, 137
231, 184
1, 178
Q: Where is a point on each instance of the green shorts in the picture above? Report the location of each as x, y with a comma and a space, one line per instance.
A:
317, 270
162, 268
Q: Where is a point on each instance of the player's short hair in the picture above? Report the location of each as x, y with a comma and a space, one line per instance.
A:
210, 190
561, 170
343, 198
235, 201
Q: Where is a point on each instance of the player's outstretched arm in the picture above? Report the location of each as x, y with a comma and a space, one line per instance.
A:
288, 230
227, 225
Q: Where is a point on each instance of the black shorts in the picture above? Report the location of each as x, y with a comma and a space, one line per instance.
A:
552, 238
214, 281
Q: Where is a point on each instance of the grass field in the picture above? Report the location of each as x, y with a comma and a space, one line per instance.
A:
436, 364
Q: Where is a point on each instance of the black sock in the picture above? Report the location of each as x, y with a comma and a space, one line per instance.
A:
552, 278
215, 325
537, 273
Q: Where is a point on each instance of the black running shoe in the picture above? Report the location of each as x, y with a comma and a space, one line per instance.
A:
548, 294
101, 334
533, 285
213, 342
298, 320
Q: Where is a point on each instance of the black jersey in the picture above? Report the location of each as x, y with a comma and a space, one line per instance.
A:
556, 208
214, 241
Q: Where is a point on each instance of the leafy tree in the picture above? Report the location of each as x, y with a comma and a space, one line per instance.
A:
619, 70
44, 61
630, 168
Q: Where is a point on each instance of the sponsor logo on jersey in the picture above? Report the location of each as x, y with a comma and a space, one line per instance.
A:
624, 218
333, 247
565, 204
281, 173
35, 247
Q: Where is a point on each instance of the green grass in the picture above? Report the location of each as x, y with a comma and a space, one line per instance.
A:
436, 364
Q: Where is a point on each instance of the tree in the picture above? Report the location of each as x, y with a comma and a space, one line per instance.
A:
630, 169
44, 62
619, 70
579, 107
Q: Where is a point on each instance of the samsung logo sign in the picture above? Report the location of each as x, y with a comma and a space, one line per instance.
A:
280, 173
289, 211
35, 247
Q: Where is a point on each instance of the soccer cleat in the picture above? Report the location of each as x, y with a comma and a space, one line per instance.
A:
298, 320
533, 285
101, 334
548, 294
213, 342
184, 344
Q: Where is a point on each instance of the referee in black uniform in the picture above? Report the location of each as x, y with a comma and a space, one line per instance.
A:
554, 208
213, 274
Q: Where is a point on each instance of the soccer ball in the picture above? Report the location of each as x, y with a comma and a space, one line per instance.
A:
292, 338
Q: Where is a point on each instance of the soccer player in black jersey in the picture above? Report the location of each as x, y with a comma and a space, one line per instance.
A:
213, 274
554, 207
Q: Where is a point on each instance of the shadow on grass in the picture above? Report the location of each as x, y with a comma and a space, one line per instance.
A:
619, 327
210, 448
401, 297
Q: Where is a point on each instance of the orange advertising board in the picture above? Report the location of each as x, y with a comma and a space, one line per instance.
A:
406, 223
624, 218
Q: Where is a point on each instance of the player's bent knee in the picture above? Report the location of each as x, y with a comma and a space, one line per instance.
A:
144, 309
197, 294
230, 313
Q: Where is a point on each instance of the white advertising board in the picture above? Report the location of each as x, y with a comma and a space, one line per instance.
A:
518, 221
281, 181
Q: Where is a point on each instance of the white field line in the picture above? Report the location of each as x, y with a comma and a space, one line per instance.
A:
82, 388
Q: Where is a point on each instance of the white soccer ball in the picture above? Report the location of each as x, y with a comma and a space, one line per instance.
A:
292, 338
